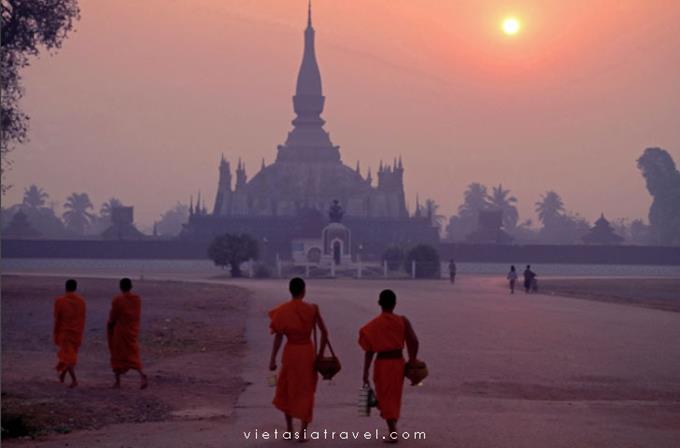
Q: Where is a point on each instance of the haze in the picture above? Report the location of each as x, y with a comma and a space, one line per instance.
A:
145, 96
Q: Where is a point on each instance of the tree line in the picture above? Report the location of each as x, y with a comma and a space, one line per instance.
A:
79, 217
558, 225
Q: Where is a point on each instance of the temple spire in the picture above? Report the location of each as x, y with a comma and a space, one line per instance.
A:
308, 140
309, 76
309, 14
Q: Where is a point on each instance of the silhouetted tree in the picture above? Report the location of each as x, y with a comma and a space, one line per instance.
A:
35, 197
41, 216
475, 199
20, 228
621, 227
394, 256
550, 208
525, 232
639, 232
567, 228
431, 209
26, 25
232, 250
102, 222
559, 227
427, 261
107, 208
500, 199
78, 216
172, 220
663, 182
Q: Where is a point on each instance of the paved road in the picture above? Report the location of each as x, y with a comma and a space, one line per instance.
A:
505, 371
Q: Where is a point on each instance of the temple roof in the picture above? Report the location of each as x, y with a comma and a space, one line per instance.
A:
308, 172
602, 233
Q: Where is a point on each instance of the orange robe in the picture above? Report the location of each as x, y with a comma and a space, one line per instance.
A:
123, 332
69, 322
386, 333
297, 379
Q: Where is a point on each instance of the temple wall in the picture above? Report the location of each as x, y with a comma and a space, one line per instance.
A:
490, 253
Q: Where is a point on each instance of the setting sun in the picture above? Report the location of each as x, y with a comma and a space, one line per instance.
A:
510, 25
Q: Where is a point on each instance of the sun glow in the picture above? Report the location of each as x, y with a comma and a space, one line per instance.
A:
510, 26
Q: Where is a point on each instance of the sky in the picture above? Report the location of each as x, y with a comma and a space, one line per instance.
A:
145, 96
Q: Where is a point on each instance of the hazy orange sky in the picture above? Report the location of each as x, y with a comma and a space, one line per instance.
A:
145, 95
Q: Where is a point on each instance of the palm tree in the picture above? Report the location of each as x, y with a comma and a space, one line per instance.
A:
476, 200
35, 197
77, 215
108, 206
549, 208
500, 199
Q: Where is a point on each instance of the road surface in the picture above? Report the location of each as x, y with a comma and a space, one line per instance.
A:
505, 371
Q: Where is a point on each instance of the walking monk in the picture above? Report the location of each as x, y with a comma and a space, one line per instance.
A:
123, 333
69, 322
385, 336
296, 383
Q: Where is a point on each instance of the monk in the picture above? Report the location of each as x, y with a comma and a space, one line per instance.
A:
69, 322
296, 382
123, 334
384, 338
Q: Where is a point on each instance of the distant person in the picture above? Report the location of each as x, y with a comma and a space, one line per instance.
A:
123, 334
69, 322
452, 271
512, 278
296, 382
529, 276
384, 337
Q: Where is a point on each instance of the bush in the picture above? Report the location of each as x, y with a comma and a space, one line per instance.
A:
427, 261
262, 271
232, 250
394, 256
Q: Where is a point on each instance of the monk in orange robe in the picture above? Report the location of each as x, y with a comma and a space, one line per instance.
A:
69, 322
123, 333
296, 382
384, 338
